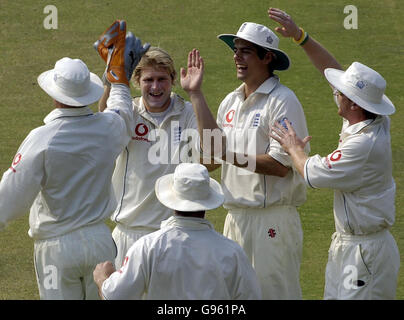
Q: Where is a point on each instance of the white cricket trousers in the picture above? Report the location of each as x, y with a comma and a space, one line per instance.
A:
64, 265
124, 238
272, 238
362, 267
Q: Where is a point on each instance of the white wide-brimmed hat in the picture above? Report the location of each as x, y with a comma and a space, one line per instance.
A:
189, 189
71, 83
262, 36
362, 85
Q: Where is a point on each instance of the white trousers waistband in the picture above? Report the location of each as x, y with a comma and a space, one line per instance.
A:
357, 238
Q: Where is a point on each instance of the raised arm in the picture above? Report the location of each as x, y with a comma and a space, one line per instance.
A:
317, 54
102, 103
191, 82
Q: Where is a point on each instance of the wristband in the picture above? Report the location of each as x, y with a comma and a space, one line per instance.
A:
301, 39
306, 37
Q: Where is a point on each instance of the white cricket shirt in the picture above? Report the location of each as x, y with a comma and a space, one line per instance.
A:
63, 169
360, 172
154, 150
185, 260
247, 123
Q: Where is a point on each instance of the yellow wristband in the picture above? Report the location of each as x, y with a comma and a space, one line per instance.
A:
301, 37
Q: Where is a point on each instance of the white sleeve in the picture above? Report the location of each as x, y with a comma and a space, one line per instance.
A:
120, 102
129, 282
291, 109
341, 170
21, 183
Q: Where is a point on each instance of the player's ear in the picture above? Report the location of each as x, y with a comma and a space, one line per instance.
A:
269, 57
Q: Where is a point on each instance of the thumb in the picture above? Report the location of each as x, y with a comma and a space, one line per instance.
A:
183, 72
306, 139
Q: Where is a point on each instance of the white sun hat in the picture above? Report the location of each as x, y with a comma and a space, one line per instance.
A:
189, 189
262, 36
362, 85
71, 83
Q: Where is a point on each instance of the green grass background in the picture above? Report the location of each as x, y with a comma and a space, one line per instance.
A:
27, 49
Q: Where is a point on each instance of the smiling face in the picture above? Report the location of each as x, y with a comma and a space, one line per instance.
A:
155, 85
249, 67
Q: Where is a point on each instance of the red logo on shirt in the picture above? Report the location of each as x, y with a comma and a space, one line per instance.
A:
16, 161
271, 233
336, 155
141, 129
125, 261
230, 115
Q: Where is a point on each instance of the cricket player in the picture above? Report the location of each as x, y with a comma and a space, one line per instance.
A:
63, 170
261, 187
363, 259
164, 134
186, 259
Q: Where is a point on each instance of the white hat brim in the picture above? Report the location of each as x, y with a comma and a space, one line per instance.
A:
282, 61
334, 77
46, 82
166, 195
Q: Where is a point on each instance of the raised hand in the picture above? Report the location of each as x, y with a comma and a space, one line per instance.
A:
288, 26
192, 77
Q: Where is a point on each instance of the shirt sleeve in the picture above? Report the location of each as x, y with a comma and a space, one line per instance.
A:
341, 170
129, 282
21, 183
288, 108
120, 102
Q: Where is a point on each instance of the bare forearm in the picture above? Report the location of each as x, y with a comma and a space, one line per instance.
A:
319, 56
102, 103
299, 159
261, 164
210, 134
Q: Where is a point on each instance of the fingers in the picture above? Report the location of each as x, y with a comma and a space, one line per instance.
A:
289, 28
306, 139
279, 130
289, 126
278, 15
195, 59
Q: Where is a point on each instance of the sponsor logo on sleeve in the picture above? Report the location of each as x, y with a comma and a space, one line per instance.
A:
16, 161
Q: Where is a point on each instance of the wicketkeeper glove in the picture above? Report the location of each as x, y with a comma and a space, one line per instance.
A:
105, 42
121, 52
133, 53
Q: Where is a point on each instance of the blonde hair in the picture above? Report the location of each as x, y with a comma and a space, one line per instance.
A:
156, 58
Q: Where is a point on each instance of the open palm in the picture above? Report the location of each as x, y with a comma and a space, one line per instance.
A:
192, 77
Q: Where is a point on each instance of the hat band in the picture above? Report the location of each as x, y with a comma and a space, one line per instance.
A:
365, 90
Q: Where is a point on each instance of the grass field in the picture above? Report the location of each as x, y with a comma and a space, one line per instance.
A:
27, 49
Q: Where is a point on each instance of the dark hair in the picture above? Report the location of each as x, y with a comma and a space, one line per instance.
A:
189, 213
261, 53
369, 115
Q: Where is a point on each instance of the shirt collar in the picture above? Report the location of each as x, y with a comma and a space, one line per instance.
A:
67, 112
189, 222
265, 88
357, 127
